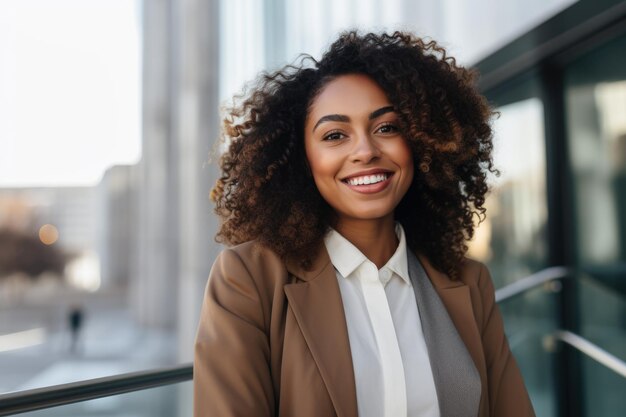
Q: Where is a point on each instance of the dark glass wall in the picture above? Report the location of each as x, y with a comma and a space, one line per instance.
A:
573, 68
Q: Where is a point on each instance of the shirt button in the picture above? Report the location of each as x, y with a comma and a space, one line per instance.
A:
385, 275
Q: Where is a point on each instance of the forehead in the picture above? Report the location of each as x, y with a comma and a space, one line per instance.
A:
348, 94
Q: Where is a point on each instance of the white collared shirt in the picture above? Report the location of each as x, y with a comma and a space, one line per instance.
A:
389, 355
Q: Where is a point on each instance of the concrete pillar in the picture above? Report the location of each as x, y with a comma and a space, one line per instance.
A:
195, 83
155, 291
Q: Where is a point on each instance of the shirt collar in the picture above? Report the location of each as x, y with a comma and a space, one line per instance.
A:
346, 258
398, 262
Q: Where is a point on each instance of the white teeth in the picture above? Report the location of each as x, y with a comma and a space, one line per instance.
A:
367, 179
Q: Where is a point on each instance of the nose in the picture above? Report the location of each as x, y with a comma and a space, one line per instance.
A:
365, 149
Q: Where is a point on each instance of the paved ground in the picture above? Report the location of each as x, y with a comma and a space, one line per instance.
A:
111, 343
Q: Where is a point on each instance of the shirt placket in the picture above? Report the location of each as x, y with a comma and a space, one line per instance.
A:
395, 402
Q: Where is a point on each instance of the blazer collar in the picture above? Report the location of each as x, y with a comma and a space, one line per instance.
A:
439, 280
319, 263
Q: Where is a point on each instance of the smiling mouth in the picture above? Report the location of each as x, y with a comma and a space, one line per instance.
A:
368, 179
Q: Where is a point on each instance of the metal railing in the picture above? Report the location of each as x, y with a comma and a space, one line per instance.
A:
593, 351
56, 395
552, 274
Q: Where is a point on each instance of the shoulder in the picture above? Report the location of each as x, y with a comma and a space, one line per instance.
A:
474, 273
253, 256
251, 251
246, 280
249, 264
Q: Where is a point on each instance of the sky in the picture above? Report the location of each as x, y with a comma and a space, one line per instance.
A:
70, 90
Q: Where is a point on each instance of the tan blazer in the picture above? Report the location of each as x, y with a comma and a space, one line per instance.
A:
272, 339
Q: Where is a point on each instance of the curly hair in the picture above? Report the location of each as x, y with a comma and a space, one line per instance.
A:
265, 192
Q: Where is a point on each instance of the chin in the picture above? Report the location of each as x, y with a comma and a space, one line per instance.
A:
370, 214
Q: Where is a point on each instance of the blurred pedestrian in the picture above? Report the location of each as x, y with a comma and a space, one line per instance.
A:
75, 319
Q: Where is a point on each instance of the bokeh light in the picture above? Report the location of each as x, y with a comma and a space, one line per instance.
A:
48, 234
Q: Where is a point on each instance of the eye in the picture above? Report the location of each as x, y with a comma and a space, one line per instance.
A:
387, 128
334, 135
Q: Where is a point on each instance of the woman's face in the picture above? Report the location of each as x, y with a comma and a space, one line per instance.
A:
361, 164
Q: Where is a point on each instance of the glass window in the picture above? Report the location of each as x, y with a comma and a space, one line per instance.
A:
595, 99
512, 240
596, 104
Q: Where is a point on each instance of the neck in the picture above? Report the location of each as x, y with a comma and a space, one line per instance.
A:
376, 238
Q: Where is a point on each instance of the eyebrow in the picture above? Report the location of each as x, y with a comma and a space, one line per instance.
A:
345, 119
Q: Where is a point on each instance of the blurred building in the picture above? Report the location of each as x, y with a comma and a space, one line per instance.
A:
71, 210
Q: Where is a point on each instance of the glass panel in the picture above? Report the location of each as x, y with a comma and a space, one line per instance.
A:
452, 22
276, 32
596, 105
604, 390
603, 316
167, 401
528, 319
602, 322
512, 240
595, 97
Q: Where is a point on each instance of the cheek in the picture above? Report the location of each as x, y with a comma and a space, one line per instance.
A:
408, 163
323, 168
323, 171
320, 163
403, 157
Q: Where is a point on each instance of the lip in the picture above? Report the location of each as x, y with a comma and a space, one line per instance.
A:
372, 171
369, 188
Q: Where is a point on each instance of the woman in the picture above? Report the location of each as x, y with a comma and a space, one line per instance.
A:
349, 190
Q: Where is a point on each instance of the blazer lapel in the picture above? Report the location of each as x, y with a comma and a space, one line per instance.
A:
456, 377
318, 309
